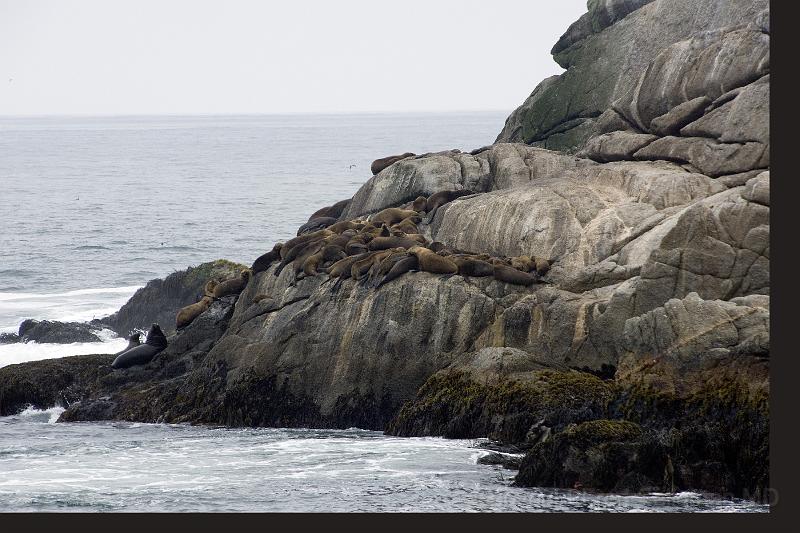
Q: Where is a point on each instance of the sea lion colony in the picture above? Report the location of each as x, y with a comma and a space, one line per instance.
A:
372, 251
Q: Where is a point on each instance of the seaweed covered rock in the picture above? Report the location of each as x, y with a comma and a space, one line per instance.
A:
52, 331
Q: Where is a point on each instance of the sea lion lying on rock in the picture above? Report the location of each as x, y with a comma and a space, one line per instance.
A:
316, 224
139, 355
436, 200
334, 211
429, 261
511, 275
384, 243
133, 341
392, 215
190, 312
406, 264
382, 163
263, 262
233, 285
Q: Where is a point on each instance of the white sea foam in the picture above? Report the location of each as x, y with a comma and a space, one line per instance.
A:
20, 352
49, 416
73, 306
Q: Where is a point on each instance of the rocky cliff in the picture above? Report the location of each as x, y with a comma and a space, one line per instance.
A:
638, 362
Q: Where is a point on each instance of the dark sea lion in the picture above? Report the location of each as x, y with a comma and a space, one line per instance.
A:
420, 204
133, 341
233, 285
470, 266
316, 224
407, 264
432, 262
542, 265
436, 200
511, 275
384, 243
190, 312
334, 211
139, 355
264, 261
392, 215
380, 164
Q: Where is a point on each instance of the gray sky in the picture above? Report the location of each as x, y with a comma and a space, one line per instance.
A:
241, 56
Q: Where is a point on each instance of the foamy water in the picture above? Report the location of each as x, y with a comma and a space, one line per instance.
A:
160, 467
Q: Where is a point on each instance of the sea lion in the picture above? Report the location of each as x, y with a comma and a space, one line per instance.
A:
436, 200
380, 164
408, 225
542, 265
327, 253
133, 341
408, 263
302, 239
470, 266
208, 290
264, 261
431, 262
233, 285
360, 267
316, 224
333, 211
190, 312
139, 355
381, 268
511, 275
392, 215
384, 243
420, 204
341, 268
299, 250
523, 263
344, 225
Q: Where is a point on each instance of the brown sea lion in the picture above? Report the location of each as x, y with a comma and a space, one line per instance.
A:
382, 163
392, 215
523, 263
431, 262
408, 225
327, 253
208, 290
470, 266
359, 268
297, 251
334, 211
233, 285
436, 200
380, 268
341, 268
384, 243
296, 241
264, 261
420, 204
190, 312
406, 264
511, 275
344, 225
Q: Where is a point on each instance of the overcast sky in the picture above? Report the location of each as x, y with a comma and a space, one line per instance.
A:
241, 56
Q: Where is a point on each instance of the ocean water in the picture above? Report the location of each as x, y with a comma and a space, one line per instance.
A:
157, 468
93, 208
